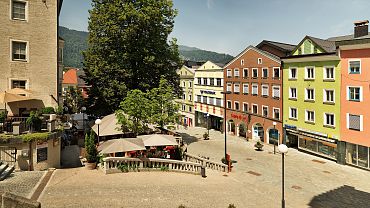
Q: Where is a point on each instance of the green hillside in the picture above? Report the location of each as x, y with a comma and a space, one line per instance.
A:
76, 42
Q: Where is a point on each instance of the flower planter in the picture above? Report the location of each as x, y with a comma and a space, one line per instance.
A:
90, 166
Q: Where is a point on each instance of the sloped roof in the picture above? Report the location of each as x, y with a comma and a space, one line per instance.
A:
328, 46
70, 77
283, 46
347, 37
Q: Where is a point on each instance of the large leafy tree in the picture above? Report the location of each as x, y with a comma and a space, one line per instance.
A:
128, 48
73, 100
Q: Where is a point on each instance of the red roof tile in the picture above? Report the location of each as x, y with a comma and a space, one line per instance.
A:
70, 77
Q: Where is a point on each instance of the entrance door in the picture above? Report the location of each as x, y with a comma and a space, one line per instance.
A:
258, 132
273, 136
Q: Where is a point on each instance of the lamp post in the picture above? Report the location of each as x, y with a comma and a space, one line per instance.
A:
83, 109
283, 149
225, 93
274, 123
208, 124
98, 122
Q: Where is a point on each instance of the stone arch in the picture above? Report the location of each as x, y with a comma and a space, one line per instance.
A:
272, 135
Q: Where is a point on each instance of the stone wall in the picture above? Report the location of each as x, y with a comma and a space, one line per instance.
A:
8, 200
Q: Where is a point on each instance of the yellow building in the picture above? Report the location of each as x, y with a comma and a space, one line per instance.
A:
208, 85
187, 100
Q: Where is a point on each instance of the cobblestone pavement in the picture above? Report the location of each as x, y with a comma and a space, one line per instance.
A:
254, 182
21, 183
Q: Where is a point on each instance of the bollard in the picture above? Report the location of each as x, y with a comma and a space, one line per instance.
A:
203, 171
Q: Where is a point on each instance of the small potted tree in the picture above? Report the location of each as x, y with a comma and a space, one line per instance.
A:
206, 136
34, 122
258, 145
91, 151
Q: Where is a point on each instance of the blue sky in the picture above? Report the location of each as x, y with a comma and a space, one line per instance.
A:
228, 26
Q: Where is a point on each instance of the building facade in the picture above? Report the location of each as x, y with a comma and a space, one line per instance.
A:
311, 101
187, 100
254, 107
355, 95
208, 103
29, 51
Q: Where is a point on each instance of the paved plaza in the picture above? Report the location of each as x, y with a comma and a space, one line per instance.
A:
254, 182
22, 183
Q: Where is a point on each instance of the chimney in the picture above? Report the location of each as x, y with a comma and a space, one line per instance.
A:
361, 28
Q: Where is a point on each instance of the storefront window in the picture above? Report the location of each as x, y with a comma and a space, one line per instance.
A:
351, 154
307, 144
326, 150
363, 156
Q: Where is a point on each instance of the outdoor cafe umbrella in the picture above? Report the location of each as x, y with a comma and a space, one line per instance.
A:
20, 91
108, 126
154, 140
122, 145
6, 97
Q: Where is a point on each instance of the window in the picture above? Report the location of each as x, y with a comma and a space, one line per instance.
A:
245, 88
329, 119
19, 10
299, 51
293, 93
212, 81
184, 84
236, 72
276, 72
310, 116
236, 88
255, 73
276, 91
265, 111
328, 73
205, 81
242, 62
355, 122
354, 93
228, 87
190, 83
254, 89
265, 90
211, 101
189, 97
18, 84
183, 96
245, 73
218, 101
190, 109
236, 105
293, 113
254, 108
199, 98
329, 96
276, 113
293, 73
183, 107
229, 73
354, 67
229, 104
310, 94
205, 98
259, 60
245, 107
265, 73
310, 73
219, 82
199, 81
19, 51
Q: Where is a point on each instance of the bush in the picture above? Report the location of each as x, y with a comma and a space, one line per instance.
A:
2, 117
164, 168
91, 151
178, 154
59, 110
258, 145
231, 206
47, 110
123, 168
205, 135
34, 121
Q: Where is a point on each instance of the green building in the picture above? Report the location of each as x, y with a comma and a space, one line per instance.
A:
311, 101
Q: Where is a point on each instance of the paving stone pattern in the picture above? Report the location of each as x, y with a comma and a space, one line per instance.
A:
21, 183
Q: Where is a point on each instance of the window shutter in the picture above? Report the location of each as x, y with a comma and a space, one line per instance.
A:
276, 92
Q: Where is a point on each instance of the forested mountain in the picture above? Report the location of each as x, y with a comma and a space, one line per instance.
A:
76, 42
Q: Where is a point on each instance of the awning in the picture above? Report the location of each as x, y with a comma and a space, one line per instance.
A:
122, 145
158, 140
108, 127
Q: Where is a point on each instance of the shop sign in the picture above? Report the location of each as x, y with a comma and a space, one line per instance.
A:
312, 132
207, 92
290, 126
239, 117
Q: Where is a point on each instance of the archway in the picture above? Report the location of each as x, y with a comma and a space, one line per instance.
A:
258, 132
231, 127
242, 130
273, 136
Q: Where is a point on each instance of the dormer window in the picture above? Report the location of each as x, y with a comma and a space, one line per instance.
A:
259, 60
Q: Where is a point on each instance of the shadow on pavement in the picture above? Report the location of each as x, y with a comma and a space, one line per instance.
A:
71, 157
342, 197
188, 139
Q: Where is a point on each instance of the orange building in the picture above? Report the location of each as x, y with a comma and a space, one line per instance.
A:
354, 52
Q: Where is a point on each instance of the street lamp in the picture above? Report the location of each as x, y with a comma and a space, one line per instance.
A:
83, 109
283, 149
274, 123
225, 93
208, 123
98, 122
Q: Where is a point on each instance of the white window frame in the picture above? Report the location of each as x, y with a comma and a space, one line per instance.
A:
259, 61
255, 77
20, 79
296, 73
229, 87
27, 51
255, 85
325, 98
325, 74
236, 84
256, 110
267, 69
235, 105
273, 113
273, 72
265, 106
349, 65
326, 122
290, 93
190, 97
190, 83
306, 73
276, 86
227, 104
236, 72
247, 107
246, 84
229, 73
247, 72
361, 93
290, 113
242, 62
11, 11
306, 116
361, 122
265, 85
306, 94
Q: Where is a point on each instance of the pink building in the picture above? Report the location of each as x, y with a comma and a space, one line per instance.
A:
354, 52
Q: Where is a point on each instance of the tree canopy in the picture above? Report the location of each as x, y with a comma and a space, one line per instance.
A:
128, 48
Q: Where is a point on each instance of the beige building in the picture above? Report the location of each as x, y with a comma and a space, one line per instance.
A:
187, 100
208, 85
29, 50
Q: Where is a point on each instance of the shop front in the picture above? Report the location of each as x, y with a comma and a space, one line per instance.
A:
357, 155
214, 122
